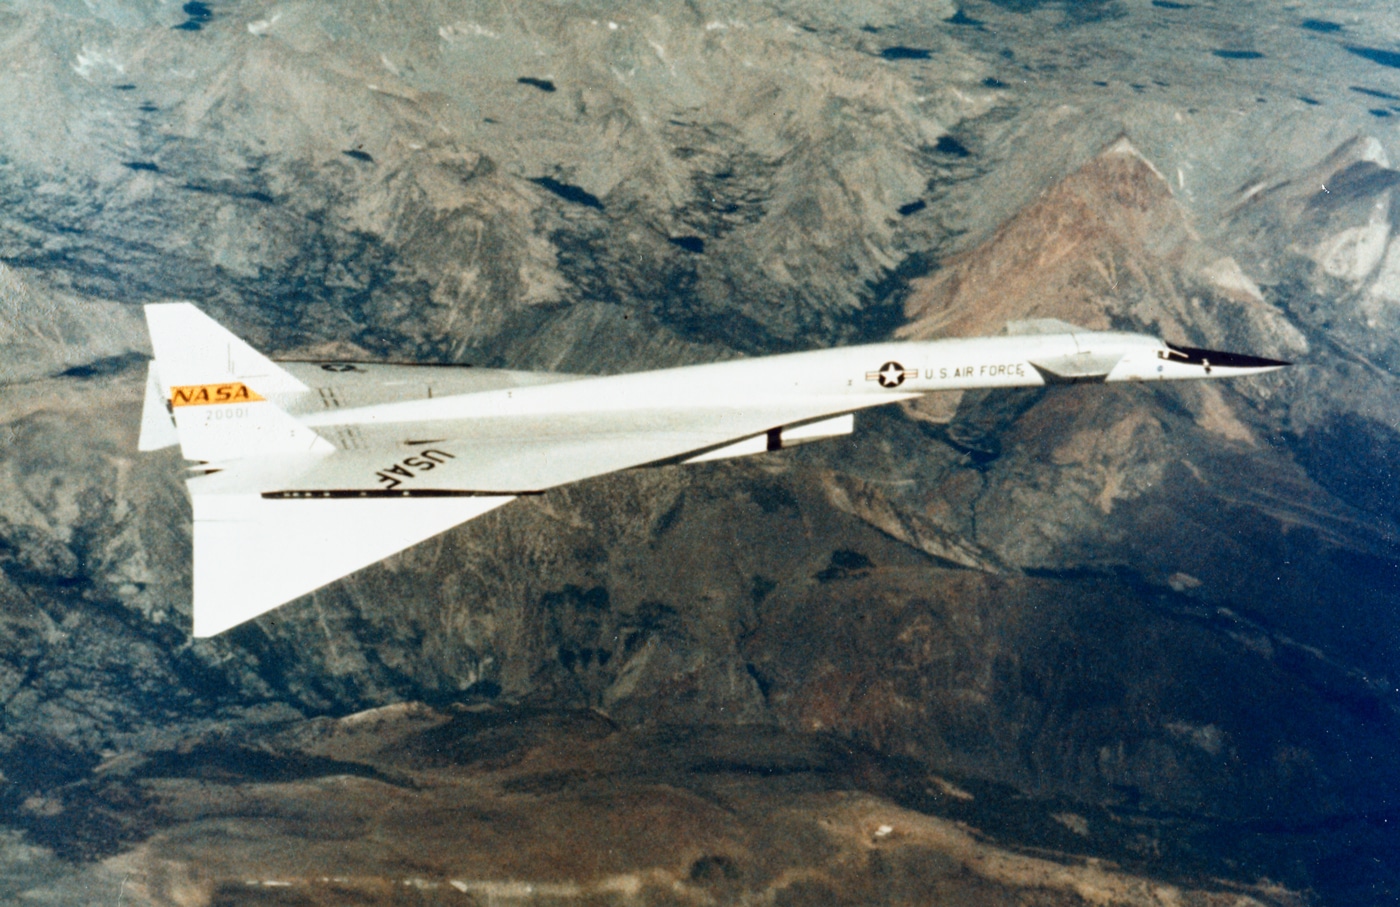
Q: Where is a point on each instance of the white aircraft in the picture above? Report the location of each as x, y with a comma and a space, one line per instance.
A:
308, 471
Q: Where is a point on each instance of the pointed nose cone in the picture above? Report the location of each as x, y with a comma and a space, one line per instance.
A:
1222, 364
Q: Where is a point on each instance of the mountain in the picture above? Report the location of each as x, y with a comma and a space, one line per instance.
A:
1125, 645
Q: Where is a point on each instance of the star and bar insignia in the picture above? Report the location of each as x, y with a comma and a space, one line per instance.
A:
891, 374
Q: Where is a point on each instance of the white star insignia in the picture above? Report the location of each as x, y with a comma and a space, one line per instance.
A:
891, 375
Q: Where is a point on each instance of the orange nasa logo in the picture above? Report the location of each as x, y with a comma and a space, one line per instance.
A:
206, 394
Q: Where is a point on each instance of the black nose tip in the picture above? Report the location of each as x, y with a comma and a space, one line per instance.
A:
1219, 359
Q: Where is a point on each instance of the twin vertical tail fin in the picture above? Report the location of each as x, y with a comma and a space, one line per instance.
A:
223, 401
157, 423
222, 395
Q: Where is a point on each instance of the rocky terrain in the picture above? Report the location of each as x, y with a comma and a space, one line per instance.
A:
1129, 645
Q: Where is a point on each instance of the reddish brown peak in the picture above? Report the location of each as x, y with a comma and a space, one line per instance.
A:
1105, 240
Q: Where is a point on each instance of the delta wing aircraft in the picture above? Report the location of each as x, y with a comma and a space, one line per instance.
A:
308, 471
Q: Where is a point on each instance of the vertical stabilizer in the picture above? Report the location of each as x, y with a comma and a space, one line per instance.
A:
157, 424
222, 392
194, 349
